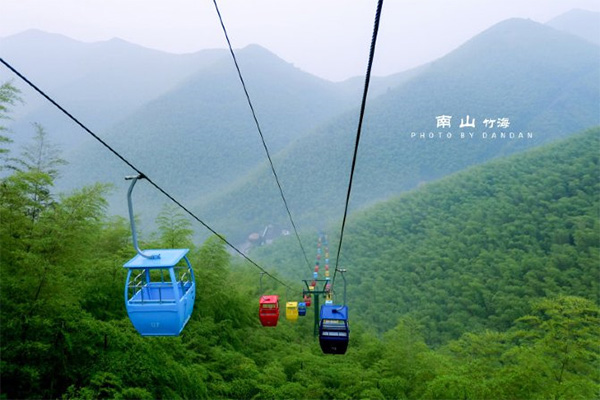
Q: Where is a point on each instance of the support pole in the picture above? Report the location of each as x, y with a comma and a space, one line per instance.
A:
315, 293
317, 311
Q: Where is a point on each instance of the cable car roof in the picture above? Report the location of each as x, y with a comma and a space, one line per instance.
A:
168, 258
332, 311
269, 299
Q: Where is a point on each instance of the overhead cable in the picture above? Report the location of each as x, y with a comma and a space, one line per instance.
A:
359, 129
262, 138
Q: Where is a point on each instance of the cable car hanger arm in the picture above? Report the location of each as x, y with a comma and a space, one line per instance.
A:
134, 179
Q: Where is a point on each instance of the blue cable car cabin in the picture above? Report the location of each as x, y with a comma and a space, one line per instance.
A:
334, 332
301, 308
160, 291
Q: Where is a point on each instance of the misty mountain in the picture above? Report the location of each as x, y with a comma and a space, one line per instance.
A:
183, 115
196, 136
544, 81
582, 23
378, 84
99, 83
201, 136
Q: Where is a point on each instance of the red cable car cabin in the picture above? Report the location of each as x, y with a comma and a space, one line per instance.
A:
307, 300
268, 310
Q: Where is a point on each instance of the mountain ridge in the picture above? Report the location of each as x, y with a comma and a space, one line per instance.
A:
582, 23
547, 87
198, 136
99, 82
205, 122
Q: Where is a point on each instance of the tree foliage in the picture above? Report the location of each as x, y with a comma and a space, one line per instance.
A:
472, 251
9, 96
174, 228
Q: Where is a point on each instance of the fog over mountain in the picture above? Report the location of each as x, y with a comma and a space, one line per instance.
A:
100, 83
582, 23
184, 120
544, 81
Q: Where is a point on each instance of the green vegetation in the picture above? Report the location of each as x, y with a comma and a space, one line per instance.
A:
9, 95
65, 334
473, 250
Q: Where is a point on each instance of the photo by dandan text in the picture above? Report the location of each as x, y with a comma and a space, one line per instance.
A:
498, 128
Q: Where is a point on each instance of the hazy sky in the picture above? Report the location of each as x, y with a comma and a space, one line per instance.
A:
329, 38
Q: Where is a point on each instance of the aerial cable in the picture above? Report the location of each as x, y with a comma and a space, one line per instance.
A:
239, 72
358, 131
116, 153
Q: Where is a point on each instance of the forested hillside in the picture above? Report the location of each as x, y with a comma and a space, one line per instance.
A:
474, 249
200, 136
543, 81
64, 332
